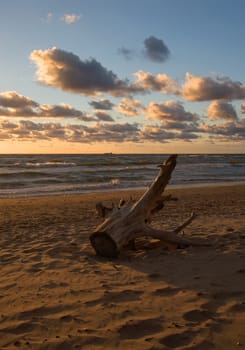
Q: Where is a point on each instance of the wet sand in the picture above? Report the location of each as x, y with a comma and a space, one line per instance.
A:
56, 294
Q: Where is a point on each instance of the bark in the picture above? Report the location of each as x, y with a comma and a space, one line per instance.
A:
129, 220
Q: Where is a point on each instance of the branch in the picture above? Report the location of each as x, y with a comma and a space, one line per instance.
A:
148, 201
166, 236
160, 203
185, 223
102, 211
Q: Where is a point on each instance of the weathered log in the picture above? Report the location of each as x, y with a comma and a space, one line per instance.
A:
130, 220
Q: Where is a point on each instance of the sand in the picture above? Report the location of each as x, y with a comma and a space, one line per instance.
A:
56, 294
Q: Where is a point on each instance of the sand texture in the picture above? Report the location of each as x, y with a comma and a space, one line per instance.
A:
56, 294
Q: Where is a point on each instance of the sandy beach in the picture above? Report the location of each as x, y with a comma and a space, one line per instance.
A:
56, 294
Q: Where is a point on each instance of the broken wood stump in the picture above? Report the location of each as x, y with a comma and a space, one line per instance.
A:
131, 219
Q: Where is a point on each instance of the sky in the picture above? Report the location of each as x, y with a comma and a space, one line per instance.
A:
122, 76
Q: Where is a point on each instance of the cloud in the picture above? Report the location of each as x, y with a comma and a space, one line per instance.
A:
160, 82
129, 107
186, 127
71, 18
13, 104
206, 89
104, 133
243, 107
156, 134
102, 104
126, 53
11, 99
64, 70
118, 132
169, 111
60, 111
102, 116
221, 110
226, 132
182, 125
49, 17
99, 132
156, 50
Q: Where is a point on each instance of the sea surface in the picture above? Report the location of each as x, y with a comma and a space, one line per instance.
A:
35, 175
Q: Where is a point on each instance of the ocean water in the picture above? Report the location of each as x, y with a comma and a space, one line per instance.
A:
31, 175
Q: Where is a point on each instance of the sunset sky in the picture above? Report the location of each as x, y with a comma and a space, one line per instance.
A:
123, 76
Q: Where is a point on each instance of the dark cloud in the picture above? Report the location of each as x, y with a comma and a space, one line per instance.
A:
207, 89
102, 104
221, 110
156, 50
107, 132
119, 132
154, 133
13, 104
60, 111
187, 136
228, 131
11, 99
126, 53
87, 118
102, 116
185, 127
64, 70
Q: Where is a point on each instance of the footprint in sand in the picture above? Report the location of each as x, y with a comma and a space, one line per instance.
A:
220, 298
154, 275
66, 318
239, 307
198, 316
43, 311
20, 328
135, 329
177, 340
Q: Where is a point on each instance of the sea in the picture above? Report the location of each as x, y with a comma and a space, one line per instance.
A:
52, 174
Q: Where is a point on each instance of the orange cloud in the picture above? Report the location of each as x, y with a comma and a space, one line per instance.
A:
206, 89
160, 82
169, 110
221, 110
129, 107
243, 107
71, 18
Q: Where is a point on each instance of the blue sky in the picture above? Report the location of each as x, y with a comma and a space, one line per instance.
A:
99, 40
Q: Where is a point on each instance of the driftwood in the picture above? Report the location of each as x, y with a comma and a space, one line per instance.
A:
130, 219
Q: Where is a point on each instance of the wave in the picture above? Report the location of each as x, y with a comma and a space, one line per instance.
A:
53, 174
22, 173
